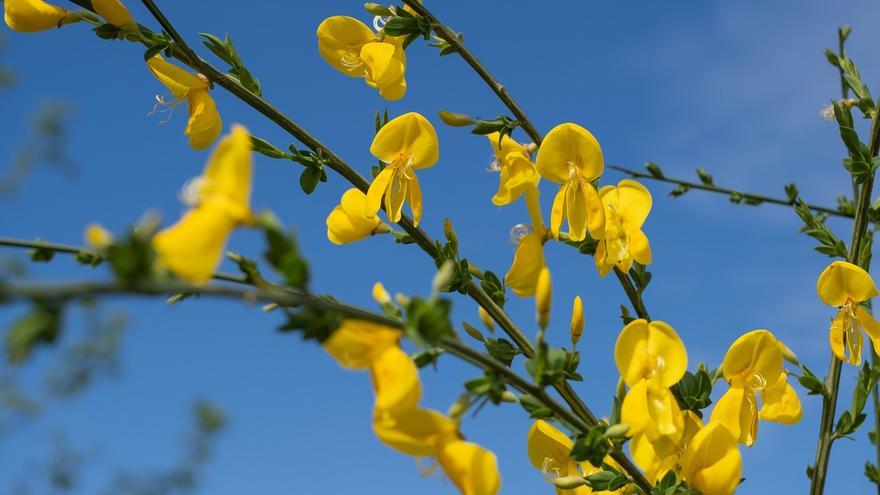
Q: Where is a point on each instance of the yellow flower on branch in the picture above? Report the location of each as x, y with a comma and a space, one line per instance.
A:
754, 363
115, 13
353, 49
357, 344
405, 144
472, 468
571, 156
626, 207
30, 16
650, 409
417, 432
204, 124
220, 199
549, 451
517, 172
846, 286
351, 220
655, 465
528, 261
396, 382
712, 463
650, 350
577, 320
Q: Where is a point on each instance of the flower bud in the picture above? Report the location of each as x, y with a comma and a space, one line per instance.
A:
569, 482
456, 119
97, 236
788, 354
380, 294
543, 297
443, 277
486, 319
377, 9
577, 320
617, 431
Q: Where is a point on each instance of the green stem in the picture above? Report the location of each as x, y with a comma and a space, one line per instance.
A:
829, 400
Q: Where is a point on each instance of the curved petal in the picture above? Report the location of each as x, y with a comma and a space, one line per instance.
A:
473, 469
781, 403
595, 211
204, 124
871, 327
712, 463
644, 350
634, 203
30, 16
576, 210
357, 344
418, 432
114, 12
569, 144
841, 280
396, 382
639, 247
548, 448
228, 176
381, 65
754, 353
845, 340
604, 264
193, 247
341, 229
528, 260
415, 199
737, 410
179, 81
377, 190
340, 39
634, 409
395, 196
558, 211
411, 136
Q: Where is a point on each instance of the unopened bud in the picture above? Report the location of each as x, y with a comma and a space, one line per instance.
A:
97, 236
577, 320
449, 232
457, 409
543, 297
382, 228
377, 9
456, 119
788, 354
569, 482
473, 332
508, 396
486, 319
402, 299
443, 277
380, 294
270, 307
617, 431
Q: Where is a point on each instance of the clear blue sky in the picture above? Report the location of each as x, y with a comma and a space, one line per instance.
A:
735, 87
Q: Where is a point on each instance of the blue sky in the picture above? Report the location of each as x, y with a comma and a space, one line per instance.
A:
735, 87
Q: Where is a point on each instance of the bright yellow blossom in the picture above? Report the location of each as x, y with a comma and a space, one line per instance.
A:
549, 451
656, 466
351, 220
517, 172
204, 124
193, 247
30, 16
528, 261
353, 49
577, 320
626, 207
753, 364
357, 344
97, 236
571, 156
405, 144
417, 432
543, 297
712, 463
846, 285
115, 13
472, 468
396, 382
645, 350
650, 409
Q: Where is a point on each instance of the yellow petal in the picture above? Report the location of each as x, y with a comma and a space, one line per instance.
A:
30, 16
840, 281
396, 382
357, 344
350, 221
651, 409
193, 247
543, 292
340, 39
754, 353
558, 211
871, 327
639, 247
410, 138
418, 432
549, 448
633, 203
595, 211
577, 320
569, 145
179, 81
781, 403
396, 195
473, 469
737, 410
114, 12
712, 463
204, 124
228, 175
528, 260
604, 263
517, 171
576, 211
845, 338
634, 409
385, 69
651, 349
378, 188
415, 198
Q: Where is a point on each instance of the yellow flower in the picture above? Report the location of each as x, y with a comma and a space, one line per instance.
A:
650, 350
353, 49
193, 247
418, 432
655, 466
380, 295
30, 16
543, 297
712, 463
626, 208
517, 173
571, 156
396, 382
204, 124
97, 236
350, 220
357, 344
753, 364
550, 452
528, 261
650, 409
405, 144
577, 320
115, 13
845, 285
472, 468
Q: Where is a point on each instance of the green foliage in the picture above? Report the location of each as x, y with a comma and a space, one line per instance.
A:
592, 446
501, 349
42, 255
640, 277
811, 382
551, 365
131, 258
814, 226
443, 46
41, 325
609, 479
850, 420
404, 23
654, 170
503, 125
315, 324
227, 52
679, 190
669, 485
491, 386
693, 390
283, 255
535, 407
427, 356
705, 177
427, 321
493, 286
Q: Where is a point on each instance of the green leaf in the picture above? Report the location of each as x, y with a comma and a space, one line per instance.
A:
427, 320
535, 408
493, 286
41, 325
266, 148
501, 349
592, 446
654, 170
42, 255
310, 178
704, 176
283, 255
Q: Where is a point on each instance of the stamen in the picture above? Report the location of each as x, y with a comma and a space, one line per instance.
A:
191, 191
350, 60
494, 166
549, 469
426, 468
573, 171
518, 232
379, 22
164, 104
